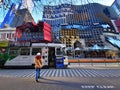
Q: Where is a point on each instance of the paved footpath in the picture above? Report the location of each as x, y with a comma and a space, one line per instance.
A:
59, 83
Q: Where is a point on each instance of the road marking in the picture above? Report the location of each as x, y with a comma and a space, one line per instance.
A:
61, 73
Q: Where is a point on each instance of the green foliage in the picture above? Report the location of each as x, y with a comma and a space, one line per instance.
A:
3, 58
10, 57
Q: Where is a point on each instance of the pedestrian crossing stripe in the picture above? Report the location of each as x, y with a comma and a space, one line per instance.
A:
30, 73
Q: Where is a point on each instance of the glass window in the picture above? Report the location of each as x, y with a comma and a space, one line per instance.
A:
36, 50
13, 51
59, 51
7, 35
25, 51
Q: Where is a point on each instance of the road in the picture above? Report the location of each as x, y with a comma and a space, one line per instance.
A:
73, 78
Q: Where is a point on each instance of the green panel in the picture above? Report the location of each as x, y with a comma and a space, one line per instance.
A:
13, 52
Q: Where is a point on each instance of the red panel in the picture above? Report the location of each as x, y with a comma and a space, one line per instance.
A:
47, 27
47, 32
119, 30
18, 34
34, 23
45, 24
47, 36
117, 22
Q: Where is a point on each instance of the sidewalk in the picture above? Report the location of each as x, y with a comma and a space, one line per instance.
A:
59, 83
95, 65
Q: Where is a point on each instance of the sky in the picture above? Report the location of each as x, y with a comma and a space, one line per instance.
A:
105, 2
37, 11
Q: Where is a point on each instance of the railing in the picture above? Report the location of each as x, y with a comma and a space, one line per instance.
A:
94, 60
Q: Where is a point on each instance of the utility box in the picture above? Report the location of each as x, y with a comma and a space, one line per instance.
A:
59, 62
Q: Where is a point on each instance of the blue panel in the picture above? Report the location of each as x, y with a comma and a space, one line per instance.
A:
7, 16
60, 62
13, 14
10, 15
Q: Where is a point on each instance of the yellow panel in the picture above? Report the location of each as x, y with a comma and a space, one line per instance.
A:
3, 43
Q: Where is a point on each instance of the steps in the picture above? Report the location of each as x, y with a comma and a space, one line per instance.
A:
20, 61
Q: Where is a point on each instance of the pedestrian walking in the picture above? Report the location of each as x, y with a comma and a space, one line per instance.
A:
38, 65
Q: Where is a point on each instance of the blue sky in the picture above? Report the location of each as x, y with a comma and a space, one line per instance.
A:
38, 13
105, 2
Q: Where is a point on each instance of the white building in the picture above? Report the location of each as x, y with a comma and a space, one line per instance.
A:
7, 34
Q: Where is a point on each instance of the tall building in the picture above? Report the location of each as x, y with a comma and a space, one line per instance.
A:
91, 14
56, 16
116, 6
69, 36
88, 37
87, 15
16, 16
10, 14
22, 16
116, 22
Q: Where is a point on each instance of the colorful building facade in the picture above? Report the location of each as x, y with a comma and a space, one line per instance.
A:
34, 32
86, 16
116, 6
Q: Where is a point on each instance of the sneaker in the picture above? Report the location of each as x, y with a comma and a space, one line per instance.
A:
38, 76
36, 80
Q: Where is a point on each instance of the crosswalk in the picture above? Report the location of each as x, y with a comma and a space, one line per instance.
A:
30, 73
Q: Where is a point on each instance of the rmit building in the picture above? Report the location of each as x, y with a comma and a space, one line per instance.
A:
90, 18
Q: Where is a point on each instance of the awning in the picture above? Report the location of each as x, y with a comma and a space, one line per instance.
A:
106, 48
96, 47
78, 49
69, 48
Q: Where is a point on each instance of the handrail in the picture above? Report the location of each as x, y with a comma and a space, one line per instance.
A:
93, 60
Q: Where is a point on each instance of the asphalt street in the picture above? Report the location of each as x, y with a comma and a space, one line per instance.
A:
79, 78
